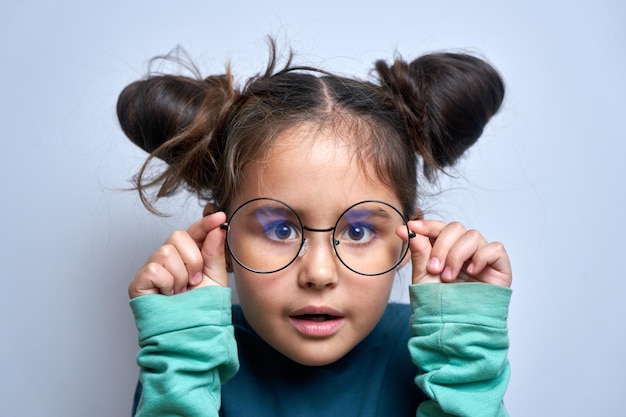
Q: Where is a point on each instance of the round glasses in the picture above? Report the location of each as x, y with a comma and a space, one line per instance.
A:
265, 235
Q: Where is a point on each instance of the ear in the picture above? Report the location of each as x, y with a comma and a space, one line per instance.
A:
211, 208
418, 214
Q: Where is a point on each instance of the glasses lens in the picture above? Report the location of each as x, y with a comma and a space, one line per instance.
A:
264, 235
365, 238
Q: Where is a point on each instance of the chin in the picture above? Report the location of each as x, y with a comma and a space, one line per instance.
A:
316, 356
308, 361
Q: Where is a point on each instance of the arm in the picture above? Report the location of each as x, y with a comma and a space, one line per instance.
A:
187, 351
460, 301
460, 345
182, 310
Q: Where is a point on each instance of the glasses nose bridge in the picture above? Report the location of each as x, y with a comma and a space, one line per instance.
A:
305, 242
312, 229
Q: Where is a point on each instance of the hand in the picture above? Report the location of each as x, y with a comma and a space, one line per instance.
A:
442, 253
187, 260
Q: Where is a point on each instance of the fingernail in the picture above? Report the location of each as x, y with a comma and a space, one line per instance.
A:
447, 273
433, 263
195, 280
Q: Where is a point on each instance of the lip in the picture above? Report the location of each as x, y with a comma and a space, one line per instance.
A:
316, 322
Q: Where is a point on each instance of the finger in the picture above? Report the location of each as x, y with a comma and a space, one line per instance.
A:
209, 236
420, 248
491, 264
169, 257
200, 229
430, 228
189, 255
445, 238
460, 252
152, 278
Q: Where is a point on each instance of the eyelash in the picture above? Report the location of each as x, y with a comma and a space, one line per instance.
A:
370, 233
271, 229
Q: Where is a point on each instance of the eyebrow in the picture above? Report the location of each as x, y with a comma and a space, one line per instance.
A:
272, 210
367, 213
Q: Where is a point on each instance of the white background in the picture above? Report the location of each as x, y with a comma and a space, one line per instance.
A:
546, 178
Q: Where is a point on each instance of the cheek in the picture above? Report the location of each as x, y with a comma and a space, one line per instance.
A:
256, 293
245, 286
262, 300
373, 293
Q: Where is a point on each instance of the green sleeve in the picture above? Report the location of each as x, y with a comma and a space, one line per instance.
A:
460, 346
188, 351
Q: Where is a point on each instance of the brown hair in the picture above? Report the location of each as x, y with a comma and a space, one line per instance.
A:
421, 113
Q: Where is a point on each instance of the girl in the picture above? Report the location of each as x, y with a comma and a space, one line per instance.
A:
310, 180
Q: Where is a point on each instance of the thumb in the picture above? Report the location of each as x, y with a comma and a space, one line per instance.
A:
212, 249
421, 248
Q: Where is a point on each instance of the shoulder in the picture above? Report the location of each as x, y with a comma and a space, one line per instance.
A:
392, 332
397, 311
239, 319
395, 318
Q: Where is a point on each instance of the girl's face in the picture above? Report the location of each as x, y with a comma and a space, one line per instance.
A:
315, 310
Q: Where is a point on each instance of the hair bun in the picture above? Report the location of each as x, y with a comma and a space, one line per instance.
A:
154, 110
446, 100
179, 120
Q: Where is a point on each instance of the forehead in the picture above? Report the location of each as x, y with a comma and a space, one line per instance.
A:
313, 169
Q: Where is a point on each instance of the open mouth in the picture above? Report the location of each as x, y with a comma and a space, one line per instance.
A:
317, 325
316, 317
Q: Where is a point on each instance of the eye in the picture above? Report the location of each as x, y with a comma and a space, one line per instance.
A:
358, 233
281, 231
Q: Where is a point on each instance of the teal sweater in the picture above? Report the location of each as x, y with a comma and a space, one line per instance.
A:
457, 340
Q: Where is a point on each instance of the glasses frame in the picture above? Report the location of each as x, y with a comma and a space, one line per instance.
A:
304, 241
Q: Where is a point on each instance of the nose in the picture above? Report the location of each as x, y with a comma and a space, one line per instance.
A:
318, 264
